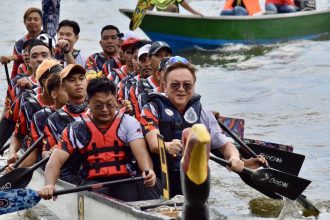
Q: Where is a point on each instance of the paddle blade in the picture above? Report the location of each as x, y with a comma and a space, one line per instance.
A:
280, 160
138, 15
282, 183
17, 199
18, 178
248, 181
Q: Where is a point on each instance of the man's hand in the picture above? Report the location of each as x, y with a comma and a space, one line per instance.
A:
6, 59
236, 164
150, 179
63, 45
24, 83
47, 192
174, 147
255, 163
127, 105
12, 157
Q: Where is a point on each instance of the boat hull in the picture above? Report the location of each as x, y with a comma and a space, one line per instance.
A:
184, 32
89, 205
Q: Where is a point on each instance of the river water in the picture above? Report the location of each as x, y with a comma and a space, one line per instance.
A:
281, 90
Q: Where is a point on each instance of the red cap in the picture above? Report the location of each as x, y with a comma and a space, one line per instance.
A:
129, 42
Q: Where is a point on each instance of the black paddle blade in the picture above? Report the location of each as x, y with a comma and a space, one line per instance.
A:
277, 181
280, 160
18, 178
247, 180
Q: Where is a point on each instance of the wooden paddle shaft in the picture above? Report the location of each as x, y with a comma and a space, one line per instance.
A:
97, 185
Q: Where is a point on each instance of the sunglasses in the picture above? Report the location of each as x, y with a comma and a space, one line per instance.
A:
186, 86
100, 106
176, 59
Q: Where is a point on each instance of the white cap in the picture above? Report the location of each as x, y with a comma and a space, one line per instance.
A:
46, 38
144, 50
129, 34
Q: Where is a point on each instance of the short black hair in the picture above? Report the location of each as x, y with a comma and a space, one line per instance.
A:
70, 23
37, 42
53, 82
103, 85
109, 27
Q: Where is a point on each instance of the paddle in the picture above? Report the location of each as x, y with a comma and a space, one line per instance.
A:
276, 181
18, 199
25, 155
138, 14
50, 16
20, 177
280, 160
7, 76
163, 164
301, 198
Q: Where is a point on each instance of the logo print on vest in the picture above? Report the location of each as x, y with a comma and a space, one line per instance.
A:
169, 112
190, 116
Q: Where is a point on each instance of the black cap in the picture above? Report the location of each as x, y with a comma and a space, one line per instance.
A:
157, 45
162, 63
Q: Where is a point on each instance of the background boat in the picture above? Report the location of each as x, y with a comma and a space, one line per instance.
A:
184, 32
281, 90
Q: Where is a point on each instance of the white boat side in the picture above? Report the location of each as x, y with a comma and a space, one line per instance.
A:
92, 206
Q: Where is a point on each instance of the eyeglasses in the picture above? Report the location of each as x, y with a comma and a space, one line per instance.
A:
100, 106
186, 86
176, 59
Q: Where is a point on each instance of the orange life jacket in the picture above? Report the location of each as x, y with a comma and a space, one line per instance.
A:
106, 153
252, 6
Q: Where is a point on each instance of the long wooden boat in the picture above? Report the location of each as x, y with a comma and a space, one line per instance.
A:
90, 205
184, 32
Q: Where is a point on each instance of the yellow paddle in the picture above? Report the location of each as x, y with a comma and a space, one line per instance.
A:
139, 12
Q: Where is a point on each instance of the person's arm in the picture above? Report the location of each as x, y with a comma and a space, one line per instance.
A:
190, 9
52, 172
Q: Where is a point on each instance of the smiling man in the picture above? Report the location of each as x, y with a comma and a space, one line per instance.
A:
109, 42
68, 35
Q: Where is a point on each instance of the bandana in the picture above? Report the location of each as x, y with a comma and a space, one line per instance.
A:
77, 109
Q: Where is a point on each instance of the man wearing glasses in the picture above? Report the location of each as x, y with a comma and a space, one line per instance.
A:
104, 137
109, 42
168, 114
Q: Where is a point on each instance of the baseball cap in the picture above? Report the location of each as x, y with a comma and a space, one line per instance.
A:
129, 34
47, 67
157, 45
128, 42
144, 50
68, 69
47, 39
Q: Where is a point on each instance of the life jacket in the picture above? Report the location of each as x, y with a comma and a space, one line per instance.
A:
171, 124
130, 80
39, 119
31, 106
252, 6
106, 153
116, 75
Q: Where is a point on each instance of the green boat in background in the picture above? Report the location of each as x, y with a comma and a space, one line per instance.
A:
185, 32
